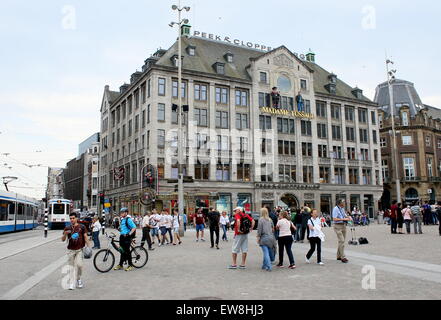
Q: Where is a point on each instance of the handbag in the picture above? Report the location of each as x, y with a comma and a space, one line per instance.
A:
87, 252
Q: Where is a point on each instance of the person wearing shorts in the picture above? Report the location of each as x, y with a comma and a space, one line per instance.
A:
163, 228
199, 222
240, 243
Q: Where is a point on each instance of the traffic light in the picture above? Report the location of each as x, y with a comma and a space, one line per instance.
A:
102, 197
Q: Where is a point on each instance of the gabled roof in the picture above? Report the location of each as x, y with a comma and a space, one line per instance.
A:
113, 95
433, 112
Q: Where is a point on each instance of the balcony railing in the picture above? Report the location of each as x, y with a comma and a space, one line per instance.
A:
435, 179
410, 179
325, 161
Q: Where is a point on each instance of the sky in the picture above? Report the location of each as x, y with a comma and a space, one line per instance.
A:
57, 56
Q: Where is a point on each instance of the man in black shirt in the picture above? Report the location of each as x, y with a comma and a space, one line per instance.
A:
213, 218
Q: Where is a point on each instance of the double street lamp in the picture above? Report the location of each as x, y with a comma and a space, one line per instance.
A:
180, 111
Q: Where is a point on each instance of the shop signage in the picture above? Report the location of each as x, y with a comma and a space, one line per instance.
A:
289, 113
237, 42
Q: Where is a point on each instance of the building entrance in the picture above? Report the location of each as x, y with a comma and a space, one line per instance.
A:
290, 201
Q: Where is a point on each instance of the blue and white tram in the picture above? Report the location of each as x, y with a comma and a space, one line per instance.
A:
59, 210
17, 212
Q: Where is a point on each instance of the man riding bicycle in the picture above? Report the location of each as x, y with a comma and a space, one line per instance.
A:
128, 228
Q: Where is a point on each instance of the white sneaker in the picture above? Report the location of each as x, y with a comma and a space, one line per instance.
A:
197, 240
307, 260
71, 286
79, 284
202, 239
321, 263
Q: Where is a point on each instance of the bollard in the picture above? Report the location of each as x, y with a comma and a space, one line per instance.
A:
45, 225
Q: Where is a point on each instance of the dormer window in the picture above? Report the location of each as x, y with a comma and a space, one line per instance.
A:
219, 67
191, 50
404, 119
229, 57
175, 60
358, 93
332, 78
331, 88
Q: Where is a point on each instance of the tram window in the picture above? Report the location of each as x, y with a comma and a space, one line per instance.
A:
4, 210
20, 211
28, 212
11, 215
58, 208
35, 214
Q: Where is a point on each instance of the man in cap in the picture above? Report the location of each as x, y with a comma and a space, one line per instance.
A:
243, 225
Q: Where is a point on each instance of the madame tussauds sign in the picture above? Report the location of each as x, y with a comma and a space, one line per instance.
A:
289, 113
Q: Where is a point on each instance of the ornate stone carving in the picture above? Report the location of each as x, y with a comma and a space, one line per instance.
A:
309, 196
267, 195
282, 60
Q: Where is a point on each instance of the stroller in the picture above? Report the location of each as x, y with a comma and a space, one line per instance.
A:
353, 240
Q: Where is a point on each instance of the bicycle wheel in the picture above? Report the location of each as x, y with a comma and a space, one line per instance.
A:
104, 260
140, 256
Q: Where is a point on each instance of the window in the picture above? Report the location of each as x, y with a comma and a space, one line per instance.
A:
161, 162
136, 98
202, 141
241, 121
428, 141
161, 86
339, 175
306, 128
129, 104
321, 109
263, 77
286, 147
375, 155
123, 132
303, 84
123, 109
200, 92
220, 68
221, 95
191, 51
373, 117
383, 143
201, 171
380, 120
222, 119
364, 154
322, 130
161, 112
364, 136
175, 89
366, 174
264, 99
287, 173
143, 93
362, 115
243, 144
439, 144
374, 136
429, 167
409, 168
264, 122
285, 125
161, 138
223, 143
350, 134
118, 115
322, 151
308, 174
243, 172
324, 174
148, 88
307, 106
337, 152
148, 114
351, 153
335, 111
266, 172
200, 116
266, 146
223, 172
407, 140
404, 119
385, 169
143, 119
306, 149
241, 98
118, 136
349, 113
336, 133
353, 176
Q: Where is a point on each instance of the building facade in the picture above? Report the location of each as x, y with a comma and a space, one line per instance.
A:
418, 143
319, 143
55, 185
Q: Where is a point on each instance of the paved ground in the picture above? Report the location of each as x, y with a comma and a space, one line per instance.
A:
406, 267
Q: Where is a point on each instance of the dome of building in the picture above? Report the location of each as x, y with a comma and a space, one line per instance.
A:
404, 94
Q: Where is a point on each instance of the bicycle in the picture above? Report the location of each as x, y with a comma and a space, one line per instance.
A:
104, 259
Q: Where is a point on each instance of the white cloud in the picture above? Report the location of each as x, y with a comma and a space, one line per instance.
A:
434, 101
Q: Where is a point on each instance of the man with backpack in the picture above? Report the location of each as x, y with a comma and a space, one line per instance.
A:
128, 229
243, 225
213, 219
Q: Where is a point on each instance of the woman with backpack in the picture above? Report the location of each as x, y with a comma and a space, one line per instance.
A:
266, 239
285, 226
315, 236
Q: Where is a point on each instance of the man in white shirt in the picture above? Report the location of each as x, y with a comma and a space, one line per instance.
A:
154, 222
163, 228
96, 227
145, 225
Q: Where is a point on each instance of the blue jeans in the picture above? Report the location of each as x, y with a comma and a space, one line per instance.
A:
224, 228
96, 239
268, 257
298, 234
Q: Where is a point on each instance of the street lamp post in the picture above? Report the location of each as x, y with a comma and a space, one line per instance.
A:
180, 110
390, 80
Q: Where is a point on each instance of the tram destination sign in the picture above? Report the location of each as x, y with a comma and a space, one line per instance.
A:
289, 113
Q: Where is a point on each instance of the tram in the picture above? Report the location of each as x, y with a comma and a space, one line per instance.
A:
59, 210
17, 212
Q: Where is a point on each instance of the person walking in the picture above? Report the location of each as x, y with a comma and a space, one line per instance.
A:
305, 217
96, 227
266, 239
274, 216
393, 217
128, 228
176, 222
400, 219
146, 227
184, 219
199, 222
315, 237
407, 216
169, 225
163, 228
284, 225
340, 218
77, 239
214, 219
155, 218
298, 223
244, 224
416, 213
224, 222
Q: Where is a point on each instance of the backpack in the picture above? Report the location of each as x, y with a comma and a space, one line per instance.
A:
363, 240
245, 224
128, 227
